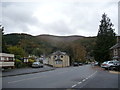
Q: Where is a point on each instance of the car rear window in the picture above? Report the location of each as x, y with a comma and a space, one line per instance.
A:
36, 63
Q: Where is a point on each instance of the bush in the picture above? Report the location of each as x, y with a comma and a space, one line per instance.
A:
30, 61
24, 65
17, 56
18, 63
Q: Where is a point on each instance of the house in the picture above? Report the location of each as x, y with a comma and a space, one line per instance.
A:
45, 61
59, 59
115, 50
7, 60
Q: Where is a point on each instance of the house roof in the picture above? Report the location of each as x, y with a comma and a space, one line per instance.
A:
6, 55
59, 53
115, 46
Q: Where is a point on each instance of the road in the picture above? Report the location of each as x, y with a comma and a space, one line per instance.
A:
71, 77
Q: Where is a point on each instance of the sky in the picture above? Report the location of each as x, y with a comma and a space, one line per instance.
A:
57, 17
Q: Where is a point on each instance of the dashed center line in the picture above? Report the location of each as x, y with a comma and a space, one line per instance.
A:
79, 82
74, 85
84, 79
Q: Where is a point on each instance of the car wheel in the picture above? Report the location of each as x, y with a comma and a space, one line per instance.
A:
111, 68
106, 68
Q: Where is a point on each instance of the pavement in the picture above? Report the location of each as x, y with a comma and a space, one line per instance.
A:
115, 72
27, 70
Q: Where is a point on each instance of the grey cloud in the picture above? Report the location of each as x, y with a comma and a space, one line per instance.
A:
83, 16
17, 17
60, 28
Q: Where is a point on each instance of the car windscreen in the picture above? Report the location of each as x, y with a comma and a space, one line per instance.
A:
110, 62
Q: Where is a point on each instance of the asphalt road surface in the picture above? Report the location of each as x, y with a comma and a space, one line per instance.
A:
71, 77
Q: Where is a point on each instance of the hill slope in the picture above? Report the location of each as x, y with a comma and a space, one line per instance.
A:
46, 43
52, 38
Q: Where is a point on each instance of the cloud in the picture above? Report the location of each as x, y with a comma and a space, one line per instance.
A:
17, 17
73, 17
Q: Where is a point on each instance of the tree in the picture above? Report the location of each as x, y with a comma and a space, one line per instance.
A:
76, 51
18, 51
104, 40
18, 63
3, 46
79, 52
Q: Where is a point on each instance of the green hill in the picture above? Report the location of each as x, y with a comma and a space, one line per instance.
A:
46, 44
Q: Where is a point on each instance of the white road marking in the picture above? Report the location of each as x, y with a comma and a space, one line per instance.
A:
73, 85
25, 79
84, 79
79, 82
91, 75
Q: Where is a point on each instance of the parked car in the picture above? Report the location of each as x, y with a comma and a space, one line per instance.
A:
86, 63
37, 65
96, 63
116, 66
108, 64
75, 64
80, 64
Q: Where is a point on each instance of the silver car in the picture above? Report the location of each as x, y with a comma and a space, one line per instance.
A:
108, 64
37, 65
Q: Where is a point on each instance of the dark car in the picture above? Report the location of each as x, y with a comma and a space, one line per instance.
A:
75, 64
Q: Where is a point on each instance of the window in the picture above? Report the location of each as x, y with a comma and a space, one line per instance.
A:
61, 56
5, 58
111, 62
2, 58
55, 56
115, 52
10, 58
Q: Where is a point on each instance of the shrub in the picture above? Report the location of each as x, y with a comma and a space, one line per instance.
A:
18, 63
30, 61
24, 65
17, 56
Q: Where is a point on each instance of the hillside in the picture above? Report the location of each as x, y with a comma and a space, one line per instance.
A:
52, 38
16, 38
46, 44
